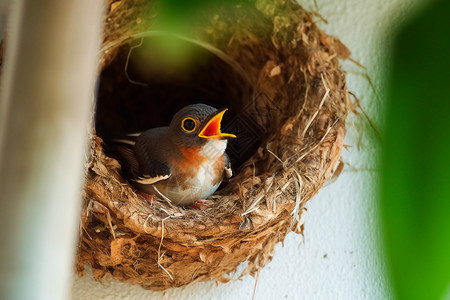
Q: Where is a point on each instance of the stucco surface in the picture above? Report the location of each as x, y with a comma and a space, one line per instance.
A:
339, 256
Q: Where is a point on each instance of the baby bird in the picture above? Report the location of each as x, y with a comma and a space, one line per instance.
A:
184, 162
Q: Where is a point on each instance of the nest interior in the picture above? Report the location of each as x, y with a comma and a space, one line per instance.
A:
278, 74
140, 89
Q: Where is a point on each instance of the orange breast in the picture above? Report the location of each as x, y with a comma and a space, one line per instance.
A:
190, 160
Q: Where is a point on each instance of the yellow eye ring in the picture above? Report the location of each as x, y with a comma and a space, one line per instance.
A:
189, 124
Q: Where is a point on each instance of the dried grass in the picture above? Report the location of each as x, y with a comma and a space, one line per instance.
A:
292, 63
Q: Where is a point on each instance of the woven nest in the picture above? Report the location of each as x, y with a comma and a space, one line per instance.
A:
279, 75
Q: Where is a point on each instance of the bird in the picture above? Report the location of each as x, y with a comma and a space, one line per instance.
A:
184, 162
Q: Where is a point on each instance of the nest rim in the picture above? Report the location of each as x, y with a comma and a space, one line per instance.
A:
249, 217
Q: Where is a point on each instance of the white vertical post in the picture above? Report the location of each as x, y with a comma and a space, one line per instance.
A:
47, 88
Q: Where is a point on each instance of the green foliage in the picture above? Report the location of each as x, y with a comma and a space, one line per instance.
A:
415, 183
178, 16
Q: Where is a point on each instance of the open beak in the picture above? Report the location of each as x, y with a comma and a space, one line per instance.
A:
212, 128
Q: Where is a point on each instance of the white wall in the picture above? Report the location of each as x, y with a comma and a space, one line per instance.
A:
339, 258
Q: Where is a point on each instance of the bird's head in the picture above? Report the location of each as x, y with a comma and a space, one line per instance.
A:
196, 124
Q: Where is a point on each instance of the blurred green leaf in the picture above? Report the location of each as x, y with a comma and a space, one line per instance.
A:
189, 19
178, 16
415, 182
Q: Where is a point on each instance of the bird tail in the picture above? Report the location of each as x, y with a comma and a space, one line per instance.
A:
128, 139
122, 149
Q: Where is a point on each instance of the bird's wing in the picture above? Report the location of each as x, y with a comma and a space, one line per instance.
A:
228, 171
122, 149
151, 170
148, 152
137, 163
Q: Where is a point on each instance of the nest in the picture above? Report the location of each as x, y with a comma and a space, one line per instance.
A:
279, 75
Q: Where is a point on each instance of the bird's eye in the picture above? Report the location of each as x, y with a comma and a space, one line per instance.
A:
188, 124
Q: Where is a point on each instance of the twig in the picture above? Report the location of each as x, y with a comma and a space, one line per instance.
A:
371, 123
256, 284
279, 159
126, 65
298, 185
253, 207
327, 92
164, 197
205, 45
357, 63
159, 248
316, 5
317, 145
145, 223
